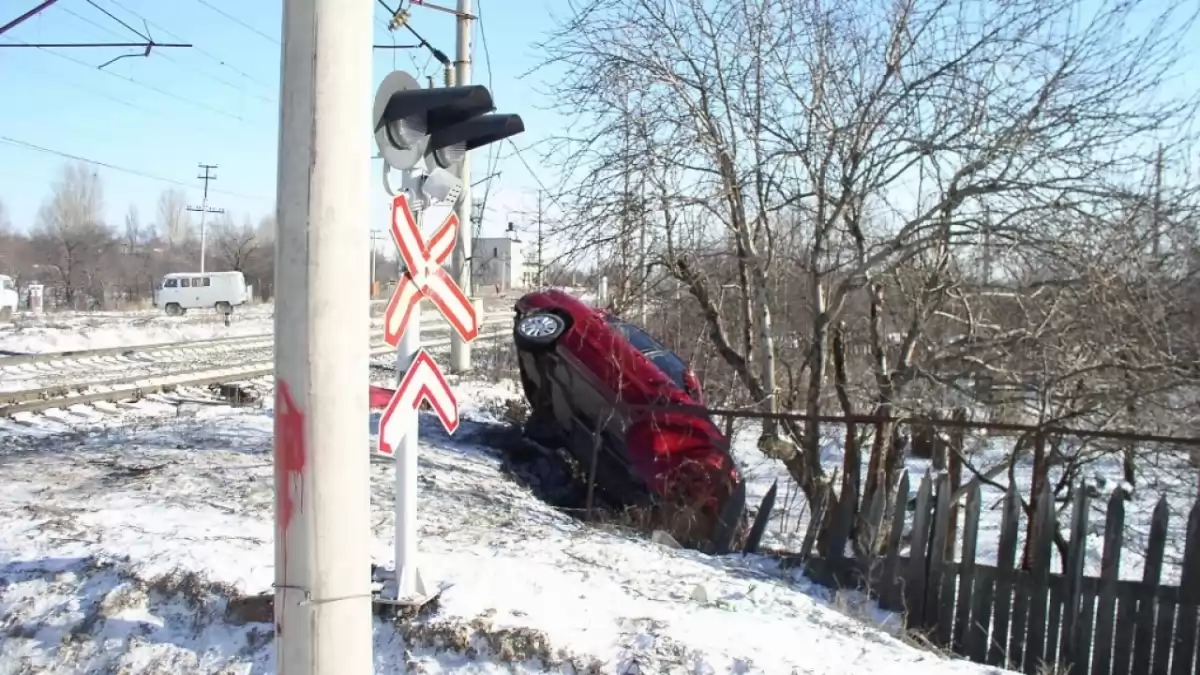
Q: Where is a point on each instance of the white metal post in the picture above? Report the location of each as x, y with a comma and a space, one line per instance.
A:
408, 584
460, 350
322, 480
408, 577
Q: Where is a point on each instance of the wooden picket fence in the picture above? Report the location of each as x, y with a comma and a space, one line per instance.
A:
1034, 619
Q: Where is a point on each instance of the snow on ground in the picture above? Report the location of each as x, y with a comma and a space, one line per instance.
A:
121, 547
69, 331
1162, 472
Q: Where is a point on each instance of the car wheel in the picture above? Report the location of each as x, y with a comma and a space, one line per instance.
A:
538, 331
174, 309
5, 313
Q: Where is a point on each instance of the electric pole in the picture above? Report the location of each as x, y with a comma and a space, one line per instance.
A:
460, 351
204, 209
322, 579
376, 235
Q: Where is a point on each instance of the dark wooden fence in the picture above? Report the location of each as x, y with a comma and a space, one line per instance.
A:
1024, 617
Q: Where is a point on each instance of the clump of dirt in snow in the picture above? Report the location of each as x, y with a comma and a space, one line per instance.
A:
100, 615
479, 638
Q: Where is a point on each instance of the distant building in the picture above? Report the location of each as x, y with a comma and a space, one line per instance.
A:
497, 263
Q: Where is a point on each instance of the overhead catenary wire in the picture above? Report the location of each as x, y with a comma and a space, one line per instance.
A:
146, 43
216, 78
123, 169
533, 173
150, 87
493, 148
238, 21
216, 59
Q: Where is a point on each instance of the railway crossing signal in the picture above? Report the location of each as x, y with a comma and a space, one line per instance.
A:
436, 128
425, 276
440, 125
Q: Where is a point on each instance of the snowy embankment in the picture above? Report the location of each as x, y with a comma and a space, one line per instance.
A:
70, 331
121, 548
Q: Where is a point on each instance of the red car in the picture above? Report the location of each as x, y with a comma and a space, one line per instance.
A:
585, 371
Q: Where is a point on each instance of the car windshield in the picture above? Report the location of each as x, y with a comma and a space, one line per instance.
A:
666, 360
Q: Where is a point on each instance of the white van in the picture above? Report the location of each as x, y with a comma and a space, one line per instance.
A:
8, 298
181, 291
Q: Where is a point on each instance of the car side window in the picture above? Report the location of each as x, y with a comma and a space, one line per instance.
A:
207, 282
171, 283
637, 337
672, 365
666, 360
185, 283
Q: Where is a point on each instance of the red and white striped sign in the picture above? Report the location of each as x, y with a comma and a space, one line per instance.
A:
425, 276
423, 381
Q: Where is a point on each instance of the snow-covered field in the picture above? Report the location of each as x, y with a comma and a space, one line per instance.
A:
69, 331
122, 546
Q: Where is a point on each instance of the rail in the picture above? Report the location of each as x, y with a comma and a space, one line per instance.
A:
129, 350
134, 388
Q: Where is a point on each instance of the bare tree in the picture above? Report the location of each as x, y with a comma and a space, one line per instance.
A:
813, 172
137, 256
70, 234
237, 247
13, 258
174, 223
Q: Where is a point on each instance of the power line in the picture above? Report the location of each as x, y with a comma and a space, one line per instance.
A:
139, 83
216, 59
122, 169
533, 173
168, 57
238, 21
147, 44
493, 148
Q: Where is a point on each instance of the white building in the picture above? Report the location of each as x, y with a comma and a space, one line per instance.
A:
498, 263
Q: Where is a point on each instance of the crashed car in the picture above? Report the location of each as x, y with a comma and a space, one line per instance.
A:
612, 395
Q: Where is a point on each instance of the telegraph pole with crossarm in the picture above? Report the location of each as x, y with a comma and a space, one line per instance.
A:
204, 209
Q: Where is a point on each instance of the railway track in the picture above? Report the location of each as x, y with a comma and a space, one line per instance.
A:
135, 388
39, 375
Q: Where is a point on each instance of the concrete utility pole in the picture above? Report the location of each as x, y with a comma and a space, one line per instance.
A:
376, 235
323, 619
460, 351
204, 210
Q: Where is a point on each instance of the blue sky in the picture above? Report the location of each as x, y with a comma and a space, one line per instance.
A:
217, 103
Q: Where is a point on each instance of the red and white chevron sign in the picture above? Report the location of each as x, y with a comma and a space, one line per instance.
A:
425, 276
423, 381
